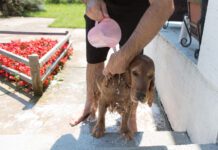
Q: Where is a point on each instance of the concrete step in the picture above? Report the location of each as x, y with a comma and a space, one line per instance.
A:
171, 147
86, 141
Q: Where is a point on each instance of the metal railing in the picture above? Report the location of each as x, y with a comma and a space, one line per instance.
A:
195, 26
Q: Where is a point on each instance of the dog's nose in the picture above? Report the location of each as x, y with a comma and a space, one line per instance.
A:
140, 96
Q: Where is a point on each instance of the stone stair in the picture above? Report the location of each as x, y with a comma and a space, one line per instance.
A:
171, 147
111, 140
158, 140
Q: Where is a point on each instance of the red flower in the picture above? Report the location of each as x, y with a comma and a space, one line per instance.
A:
24, 49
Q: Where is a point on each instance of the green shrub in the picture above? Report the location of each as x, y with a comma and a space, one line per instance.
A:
33, 5
18, 7
11, 7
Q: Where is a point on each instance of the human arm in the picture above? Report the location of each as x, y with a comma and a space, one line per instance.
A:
149, 25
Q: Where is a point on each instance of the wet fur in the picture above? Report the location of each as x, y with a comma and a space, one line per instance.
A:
118, 93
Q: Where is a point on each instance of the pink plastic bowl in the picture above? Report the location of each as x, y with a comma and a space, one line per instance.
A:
107, 33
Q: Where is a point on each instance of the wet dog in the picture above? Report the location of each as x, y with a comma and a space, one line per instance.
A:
120, 92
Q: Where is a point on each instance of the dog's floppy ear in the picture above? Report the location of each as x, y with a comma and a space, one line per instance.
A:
150, 93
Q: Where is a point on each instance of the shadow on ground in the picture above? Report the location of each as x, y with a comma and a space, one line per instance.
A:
84, 140
16, 92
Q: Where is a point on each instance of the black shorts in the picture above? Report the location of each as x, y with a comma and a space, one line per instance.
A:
127, 16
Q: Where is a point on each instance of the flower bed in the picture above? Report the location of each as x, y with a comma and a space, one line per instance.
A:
25, 49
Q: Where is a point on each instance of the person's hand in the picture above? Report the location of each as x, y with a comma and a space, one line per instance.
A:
96, 10
115, 65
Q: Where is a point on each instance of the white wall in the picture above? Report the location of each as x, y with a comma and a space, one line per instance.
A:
189, 99
208, 59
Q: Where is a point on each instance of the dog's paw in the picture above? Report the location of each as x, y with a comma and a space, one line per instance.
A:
98, 131
127, 134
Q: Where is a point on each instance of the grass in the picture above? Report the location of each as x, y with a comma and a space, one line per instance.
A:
66, 15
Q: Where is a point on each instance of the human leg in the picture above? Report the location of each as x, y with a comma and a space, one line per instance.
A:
93, 71
95, 58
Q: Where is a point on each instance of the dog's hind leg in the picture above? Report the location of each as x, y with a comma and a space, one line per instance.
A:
99, 128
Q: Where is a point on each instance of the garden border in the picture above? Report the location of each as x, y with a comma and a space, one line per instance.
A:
34, 62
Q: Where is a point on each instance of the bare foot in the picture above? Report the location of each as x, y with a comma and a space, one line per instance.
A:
76, 121
83, 115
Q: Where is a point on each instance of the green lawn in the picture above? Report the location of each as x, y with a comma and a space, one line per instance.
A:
66, 15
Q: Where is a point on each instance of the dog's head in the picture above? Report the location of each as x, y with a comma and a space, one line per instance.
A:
141, 74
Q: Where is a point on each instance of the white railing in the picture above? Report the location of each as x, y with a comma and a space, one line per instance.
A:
34, 62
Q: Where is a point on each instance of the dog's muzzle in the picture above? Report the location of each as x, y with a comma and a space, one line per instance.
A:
140, 96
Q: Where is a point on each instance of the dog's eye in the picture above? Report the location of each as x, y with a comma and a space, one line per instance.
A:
135, 73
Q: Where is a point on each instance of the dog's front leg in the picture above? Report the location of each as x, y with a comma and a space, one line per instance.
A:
99, 128
124, 129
